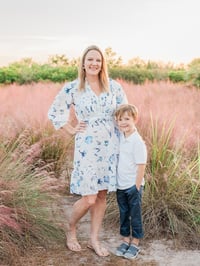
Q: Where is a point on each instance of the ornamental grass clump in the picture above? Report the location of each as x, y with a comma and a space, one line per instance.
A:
25, 210
171, 201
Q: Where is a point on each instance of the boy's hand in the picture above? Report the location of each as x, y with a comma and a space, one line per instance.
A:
138, 186
140, 175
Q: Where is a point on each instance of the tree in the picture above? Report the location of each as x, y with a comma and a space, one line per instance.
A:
137, 62
111, 58
58, 60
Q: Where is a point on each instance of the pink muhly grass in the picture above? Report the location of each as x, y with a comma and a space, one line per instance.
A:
24, 106
33, 152
168, 103
7, 219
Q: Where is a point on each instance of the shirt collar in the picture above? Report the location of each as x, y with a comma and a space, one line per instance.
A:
128, 139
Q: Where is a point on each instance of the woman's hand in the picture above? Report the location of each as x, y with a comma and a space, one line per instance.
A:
80, 127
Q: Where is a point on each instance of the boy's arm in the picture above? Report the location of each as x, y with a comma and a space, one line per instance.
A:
140, 175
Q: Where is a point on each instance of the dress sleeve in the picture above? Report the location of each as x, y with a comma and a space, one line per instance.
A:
59, 111
120, 94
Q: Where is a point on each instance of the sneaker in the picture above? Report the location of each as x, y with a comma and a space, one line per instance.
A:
131, 252
121, 250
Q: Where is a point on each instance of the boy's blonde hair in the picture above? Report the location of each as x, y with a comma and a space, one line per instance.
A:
126, 108
103, 74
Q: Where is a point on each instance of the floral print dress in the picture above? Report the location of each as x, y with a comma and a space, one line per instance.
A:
96, 149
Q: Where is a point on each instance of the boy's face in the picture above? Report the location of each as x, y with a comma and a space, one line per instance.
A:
126, 124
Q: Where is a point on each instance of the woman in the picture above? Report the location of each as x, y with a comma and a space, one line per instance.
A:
95, 98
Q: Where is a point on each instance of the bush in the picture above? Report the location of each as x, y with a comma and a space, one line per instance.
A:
137, 76
26, 73
9, 75
193, 73
177, 76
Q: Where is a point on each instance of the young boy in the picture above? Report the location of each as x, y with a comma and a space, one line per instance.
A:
130, 180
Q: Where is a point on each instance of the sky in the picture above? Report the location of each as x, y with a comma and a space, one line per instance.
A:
157, 30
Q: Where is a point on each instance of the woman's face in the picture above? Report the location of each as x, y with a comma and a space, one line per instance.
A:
93, 63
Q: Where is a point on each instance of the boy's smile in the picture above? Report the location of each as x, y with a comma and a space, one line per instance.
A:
126, 124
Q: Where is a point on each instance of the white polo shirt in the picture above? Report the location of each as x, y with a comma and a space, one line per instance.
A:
131, 153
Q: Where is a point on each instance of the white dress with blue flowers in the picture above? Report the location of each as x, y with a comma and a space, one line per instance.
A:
96, 149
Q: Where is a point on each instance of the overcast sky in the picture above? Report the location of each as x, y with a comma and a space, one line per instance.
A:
160, 30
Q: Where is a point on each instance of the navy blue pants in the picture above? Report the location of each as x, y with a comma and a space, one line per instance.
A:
129, 201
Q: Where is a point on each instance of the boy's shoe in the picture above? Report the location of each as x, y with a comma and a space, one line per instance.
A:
121, 250
131, 252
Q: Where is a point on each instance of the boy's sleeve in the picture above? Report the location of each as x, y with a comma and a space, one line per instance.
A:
140, 153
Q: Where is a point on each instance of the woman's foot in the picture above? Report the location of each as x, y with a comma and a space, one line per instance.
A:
98, 249
72, 242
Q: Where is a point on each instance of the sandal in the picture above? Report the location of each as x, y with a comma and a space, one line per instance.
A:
121, 250
131, 252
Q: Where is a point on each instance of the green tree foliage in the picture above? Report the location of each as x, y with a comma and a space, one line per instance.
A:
112, 59
177, 76
27, 71
58, 60
136, 62
130, 74
59, 69
193, 73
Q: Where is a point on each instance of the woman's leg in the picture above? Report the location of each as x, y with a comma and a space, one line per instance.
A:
80, 208
97, 214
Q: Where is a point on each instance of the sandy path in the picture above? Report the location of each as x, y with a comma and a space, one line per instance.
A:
157, 252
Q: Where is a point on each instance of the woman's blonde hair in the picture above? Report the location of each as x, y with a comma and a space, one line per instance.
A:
103, 74
126, 108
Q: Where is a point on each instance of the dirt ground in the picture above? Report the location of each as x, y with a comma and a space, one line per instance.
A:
153, 253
